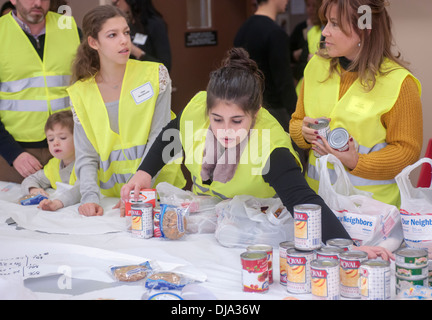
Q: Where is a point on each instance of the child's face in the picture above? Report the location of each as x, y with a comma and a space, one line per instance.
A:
61, 143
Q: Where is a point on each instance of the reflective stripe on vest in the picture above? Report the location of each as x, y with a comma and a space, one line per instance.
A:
359, 111
121, 154
248, 178
28, 85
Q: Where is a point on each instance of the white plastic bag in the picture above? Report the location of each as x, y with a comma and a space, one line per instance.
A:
368, 221
416, 209
246, 220
201, 217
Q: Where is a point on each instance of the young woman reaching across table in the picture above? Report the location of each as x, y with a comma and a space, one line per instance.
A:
120, 107
232, 146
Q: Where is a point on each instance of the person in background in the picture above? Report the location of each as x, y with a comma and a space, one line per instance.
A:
306, 40
59, 132
35, 63
120, 105
358, 83
149, 32
232, 146
6, 8
268, 44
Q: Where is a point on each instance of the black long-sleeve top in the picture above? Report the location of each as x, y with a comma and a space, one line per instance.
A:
284, 175
269, 46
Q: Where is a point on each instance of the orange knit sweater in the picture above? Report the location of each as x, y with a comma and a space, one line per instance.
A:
404, 124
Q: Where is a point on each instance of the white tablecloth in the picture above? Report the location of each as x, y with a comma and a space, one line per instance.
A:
46, 261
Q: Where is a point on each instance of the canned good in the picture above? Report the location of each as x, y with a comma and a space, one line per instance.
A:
404, 283
157, 233
254, 271
345, 244
329, 253
142, 220
325, 279
338, 139
411, 273
375, 280
323, 128
349, 271
298, 270
307, 227
283, 247
145, 196
411, 257
269, 251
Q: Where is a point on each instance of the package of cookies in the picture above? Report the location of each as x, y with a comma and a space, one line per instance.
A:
132, 273
173, 221
167, 281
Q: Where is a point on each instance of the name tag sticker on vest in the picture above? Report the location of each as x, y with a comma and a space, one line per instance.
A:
360, 106
142, 93
140, 39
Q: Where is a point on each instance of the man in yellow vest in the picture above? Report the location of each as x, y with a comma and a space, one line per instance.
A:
35, 62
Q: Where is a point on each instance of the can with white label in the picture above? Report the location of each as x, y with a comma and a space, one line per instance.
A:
350, 262
323, 129
338, 139
329, 253
298, 270
345, 244
283, 247
307, 227
142, 220
325, 279
375, 280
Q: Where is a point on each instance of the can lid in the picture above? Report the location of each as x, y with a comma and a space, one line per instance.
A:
253, 255
376, 263
411, 252
323, 263
297, 253
338, 138
354, 255
322, 123
330, 249
259, 247
338, 242
307, 206
141, 205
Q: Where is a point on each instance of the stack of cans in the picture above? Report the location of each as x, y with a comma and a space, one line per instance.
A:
411, 268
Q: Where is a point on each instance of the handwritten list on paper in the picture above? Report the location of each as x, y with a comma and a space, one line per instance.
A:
27, 266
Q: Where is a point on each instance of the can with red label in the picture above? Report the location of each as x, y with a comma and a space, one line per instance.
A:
307, 227
156, 222
142, 220
145, 196
325, 279
269, 251
255, 271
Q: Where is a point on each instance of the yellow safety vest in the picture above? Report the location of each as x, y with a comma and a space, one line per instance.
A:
359, 112
31, 89
121, 154
265, 136
313, 40
52, 172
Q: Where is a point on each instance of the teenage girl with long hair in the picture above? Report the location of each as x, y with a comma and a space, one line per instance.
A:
120, 105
